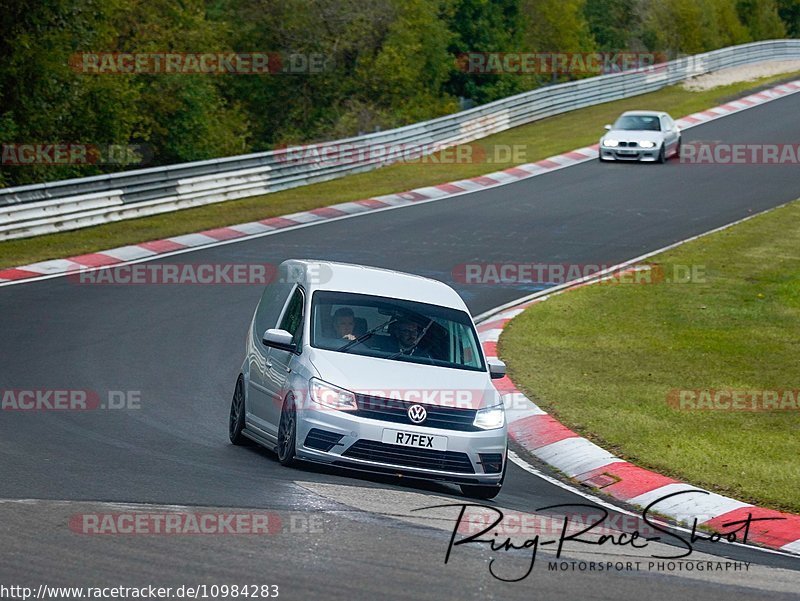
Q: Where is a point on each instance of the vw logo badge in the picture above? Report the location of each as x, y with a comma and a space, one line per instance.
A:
417, 414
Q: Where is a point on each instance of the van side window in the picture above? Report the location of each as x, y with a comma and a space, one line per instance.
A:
269, 308
292, 320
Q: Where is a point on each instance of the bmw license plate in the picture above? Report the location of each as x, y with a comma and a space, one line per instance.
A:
414, 439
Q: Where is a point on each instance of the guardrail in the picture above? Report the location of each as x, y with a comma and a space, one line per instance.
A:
70, 204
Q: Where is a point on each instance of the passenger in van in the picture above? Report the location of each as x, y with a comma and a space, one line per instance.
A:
344, 323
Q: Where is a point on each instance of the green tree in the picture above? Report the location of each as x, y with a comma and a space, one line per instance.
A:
789, 12
557, 26
182, 116
613, 23
761, 19
486, 26
729, 30
407, 73
43, 100
675, 26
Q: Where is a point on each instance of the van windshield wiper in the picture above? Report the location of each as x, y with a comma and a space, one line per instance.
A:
413, 347
365, 335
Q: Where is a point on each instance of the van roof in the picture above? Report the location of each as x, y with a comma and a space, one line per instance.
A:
361, 279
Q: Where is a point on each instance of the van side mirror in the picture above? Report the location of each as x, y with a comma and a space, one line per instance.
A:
280, 339
497, 369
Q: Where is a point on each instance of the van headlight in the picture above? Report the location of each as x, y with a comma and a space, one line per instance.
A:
490, 418
332, 396
647, 144
611, 143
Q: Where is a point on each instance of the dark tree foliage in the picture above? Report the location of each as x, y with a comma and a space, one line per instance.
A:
377, 64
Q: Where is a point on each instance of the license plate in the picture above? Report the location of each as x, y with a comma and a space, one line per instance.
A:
414, 439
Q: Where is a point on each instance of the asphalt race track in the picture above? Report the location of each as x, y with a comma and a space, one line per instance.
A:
179, 348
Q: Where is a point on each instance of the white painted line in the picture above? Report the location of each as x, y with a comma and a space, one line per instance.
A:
517, 460
128, 253
432, 192
52, 266
575, 456
792, 547
511, 313
492, 335
502, 178
391, 200
531, 168
254, 227
409, 195
350, 207
468, 185
688, 506
518, 407
303, 217
562, 160
544, 294
193, 240
588, 152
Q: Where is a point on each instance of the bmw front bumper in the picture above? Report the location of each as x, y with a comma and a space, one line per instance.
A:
629, 154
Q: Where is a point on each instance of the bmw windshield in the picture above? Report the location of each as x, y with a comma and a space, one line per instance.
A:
637, 123
394, 329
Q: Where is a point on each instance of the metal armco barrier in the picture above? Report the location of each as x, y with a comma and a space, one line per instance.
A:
70, 204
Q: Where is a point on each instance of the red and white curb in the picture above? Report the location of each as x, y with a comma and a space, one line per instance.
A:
580, 459
243, 231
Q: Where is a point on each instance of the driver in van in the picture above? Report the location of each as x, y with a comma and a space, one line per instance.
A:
406, 334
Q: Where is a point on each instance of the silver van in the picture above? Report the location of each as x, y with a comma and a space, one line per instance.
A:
374, 370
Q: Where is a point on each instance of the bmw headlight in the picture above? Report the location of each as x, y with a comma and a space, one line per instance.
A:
610, 142
647, 144
332, 396
490, 418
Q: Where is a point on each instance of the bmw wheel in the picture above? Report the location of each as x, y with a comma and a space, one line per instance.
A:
662, 155
287, 433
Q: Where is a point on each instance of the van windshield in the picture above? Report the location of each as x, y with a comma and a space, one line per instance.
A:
394, 329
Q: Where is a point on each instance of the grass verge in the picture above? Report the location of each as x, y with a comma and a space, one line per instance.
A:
537, 140
604, 359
